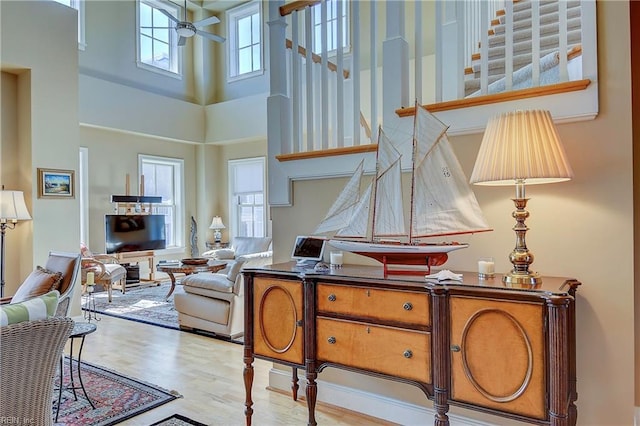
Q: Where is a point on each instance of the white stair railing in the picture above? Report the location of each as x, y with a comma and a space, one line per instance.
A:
484, 29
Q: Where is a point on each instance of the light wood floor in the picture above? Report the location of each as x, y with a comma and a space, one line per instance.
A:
207, 372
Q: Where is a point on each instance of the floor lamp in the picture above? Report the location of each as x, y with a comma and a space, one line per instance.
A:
12, 210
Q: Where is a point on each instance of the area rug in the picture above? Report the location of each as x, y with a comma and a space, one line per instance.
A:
178, 420
144, 304
115, 397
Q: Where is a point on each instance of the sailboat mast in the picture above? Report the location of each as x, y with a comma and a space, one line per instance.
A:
375, 188
414, 154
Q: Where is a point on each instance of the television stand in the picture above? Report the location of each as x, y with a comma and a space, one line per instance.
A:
140, 256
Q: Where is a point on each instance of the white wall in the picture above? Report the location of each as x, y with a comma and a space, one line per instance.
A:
46, 58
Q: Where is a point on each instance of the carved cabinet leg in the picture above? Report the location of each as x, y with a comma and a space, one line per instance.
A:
294, 383
312, 394
247, 374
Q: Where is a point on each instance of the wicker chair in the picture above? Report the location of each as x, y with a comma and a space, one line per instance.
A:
31, 352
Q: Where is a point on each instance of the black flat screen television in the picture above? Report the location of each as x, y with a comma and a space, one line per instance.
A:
126, 233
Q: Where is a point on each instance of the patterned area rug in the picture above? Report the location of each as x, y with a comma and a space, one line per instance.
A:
115, 397
144, 304
178, 420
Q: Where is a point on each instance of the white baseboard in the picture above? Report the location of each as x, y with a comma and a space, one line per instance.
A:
367, 403
636, 417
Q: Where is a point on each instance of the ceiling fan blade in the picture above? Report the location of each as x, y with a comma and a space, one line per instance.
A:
168, 15
210, 36
208, 21
182, 41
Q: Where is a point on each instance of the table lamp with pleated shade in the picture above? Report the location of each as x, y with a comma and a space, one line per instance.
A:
521, 148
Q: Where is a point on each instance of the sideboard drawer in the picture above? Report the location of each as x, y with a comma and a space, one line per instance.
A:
389, 350
391, 305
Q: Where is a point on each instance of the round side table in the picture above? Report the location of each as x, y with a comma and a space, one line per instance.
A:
80, 331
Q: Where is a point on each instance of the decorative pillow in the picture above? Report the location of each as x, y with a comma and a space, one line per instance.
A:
224, 254
84, 250
234, 268
39, 282
37, 308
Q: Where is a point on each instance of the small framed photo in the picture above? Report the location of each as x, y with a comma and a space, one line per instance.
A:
54, 183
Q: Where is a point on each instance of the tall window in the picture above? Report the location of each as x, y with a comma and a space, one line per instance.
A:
83, 193
79, 6
157, 38
247, 193
245, 40
164, 177
335, 9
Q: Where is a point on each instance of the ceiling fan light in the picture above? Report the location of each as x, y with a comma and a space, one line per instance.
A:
185, 29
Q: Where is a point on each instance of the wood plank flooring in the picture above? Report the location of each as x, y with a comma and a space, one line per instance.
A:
207, 372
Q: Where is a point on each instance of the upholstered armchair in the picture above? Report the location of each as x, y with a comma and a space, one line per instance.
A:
214, 302
106, 269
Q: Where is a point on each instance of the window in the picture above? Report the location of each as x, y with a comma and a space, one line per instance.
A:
157, 38
79, 6
245, 40
83, 194
164, 177
333, 7
247, 202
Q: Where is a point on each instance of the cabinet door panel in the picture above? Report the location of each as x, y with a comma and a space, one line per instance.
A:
498, 355
392, 305
394, 351
278, 308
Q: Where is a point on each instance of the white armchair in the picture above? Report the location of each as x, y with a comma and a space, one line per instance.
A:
214, 302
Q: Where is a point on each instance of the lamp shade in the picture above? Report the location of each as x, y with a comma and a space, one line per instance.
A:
216, 223
521, 146
12, 207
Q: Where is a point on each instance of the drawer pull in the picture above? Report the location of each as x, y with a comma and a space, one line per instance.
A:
332, 298
408, 353
455, 348
407, 306
299, 323
331, 340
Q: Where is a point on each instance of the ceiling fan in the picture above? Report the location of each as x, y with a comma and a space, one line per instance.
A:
186, 29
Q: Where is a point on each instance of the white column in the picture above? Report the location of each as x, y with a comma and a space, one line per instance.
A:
395, 63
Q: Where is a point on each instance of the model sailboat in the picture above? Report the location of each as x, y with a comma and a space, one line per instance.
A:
442, 203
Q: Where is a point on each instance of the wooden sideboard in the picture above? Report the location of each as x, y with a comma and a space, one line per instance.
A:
476, 343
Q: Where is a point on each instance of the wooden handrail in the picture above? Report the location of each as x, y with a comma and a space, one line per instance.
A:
570, 86
289, 8
316, 58
327, 152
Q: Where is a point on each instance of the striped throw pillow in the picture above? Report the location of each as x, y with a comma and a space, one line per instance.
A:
40, 307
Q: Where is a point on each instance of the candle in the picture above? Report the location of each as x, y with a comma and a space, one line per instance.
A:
336, 258
486, 267
90, 278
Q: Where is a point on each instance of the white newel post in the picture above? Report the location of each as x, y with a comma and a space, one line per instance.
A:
395, 65
448, 83
278, 107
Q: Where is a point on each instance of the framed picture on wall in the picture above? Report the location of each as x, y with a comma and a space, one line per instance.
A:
54, 183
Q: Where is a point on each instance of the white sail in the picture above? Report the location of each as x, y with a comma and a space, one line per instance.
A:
444, 202
358, 226
388, 209
341, 213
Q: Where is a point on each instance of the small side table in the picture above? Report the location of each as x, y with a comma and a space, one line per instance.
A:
80, 331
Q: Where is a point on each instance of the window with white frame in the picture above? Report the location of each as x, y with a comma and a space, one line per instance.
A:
247, 197
164, 177
335, 9
79, 6
157, 39
244, 35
